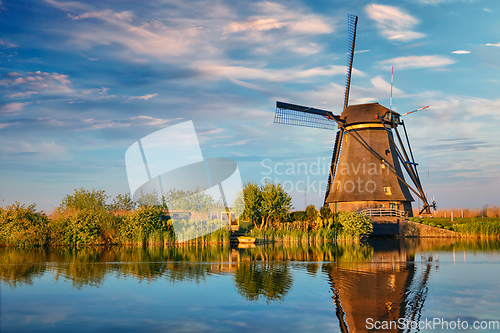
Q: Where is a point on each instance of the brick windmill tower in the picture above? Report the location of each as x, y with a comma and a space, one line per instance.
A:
369, 154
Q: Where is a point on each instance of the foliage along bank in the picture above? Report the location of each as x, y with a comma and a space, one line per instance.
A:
85, 218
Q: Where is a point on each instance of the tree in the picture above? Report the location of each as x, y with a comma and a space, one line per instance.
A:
194, 201
311, 213
325, 212
122, 202
276, 203
83, 199
148, 199
248, 203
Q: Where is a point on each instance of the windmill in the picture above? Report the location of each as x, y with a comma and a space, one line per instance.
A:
369, 155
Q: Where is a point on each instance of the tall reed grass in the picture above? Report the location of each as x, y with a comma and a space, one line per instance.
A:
485, 211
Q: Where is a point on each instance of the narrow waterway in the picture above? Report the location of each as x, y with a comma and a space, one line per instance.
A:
436, 284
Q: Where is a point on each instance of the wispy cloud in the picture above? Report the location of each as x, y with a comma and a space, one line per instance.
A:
212, 131
44, 147
7, 44
496, 45
487, 10
266, 74
277, 16
268, 26
412, 62
144, 98
461, 52
8, 108
95, 124
393, 23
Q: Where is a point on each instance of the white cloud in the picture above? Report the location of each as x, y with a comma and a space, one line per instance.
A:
255, 24
45, 147
496, 45
148, 121
247, 73
461, 52
487, 10
144, 98
24, 85
417, 62
277, 16
393, 23
212, 131
94, 124
12, 107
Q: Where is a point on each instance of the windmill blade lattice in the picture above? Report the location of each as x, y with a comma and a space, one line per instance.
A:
352, 24
292, 114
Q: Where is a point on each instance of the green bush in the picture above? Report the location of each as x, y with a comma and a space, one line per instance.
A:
85, 227
354, 224
23, 226
144, 225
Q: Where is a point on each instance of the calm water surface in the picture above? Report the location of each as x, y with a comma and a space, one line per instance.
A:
327, 288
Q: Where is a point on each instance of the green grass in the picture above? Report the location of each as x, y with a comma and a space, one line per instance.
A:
469, 226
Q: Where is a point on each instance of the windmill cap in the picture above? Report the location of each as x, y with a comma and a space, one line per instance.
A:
364, 113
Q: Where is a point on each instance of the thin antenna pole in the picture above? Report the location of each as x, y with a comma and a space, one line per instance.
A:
392, 81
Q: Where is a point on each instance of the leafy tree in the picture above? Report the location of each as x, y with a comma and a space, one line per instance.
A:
84, 199
248, 203
325, 212
276, 203
148, 199
194, 201
122, 202
311, 213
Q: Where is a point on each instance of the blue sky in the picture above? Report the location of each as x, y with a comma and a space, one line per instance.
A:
82, 81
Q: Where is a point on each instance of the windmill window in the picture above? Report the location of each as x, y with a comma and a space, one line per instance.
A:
215, 216
387, 190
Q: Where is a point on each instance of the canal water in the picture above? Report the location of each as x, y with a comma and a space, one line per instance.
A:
433, 285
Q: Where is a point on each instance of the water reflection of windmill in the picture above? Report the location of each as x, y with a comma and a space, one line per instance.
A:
365, 171
386, 292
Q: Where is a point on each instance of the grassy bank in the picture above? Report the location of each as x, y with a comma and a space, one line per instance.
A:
467, 226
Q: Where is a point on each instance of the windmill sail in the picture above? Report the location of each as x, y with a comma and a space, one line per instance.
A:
352, 24
292, 114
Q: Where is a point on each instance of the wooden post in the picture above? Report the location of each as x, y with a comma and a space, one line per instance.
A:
451, 216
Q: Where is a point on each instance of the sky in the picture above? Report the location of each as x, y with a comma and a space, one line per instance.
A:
83, 81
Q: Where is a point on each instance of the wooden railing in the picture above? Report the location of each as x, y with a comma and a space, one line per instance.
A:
383, 212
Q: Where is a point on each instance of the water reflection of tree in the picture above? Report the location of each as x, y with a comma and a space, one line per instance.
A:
268, 279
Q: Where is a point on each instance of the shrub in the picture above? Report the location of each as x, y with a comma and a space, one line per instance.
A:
143, 223
23, 226
354, 224
85, 227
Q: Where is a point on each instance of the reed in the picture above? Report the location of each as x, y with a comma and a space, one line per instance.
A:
478, 228
458, 212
